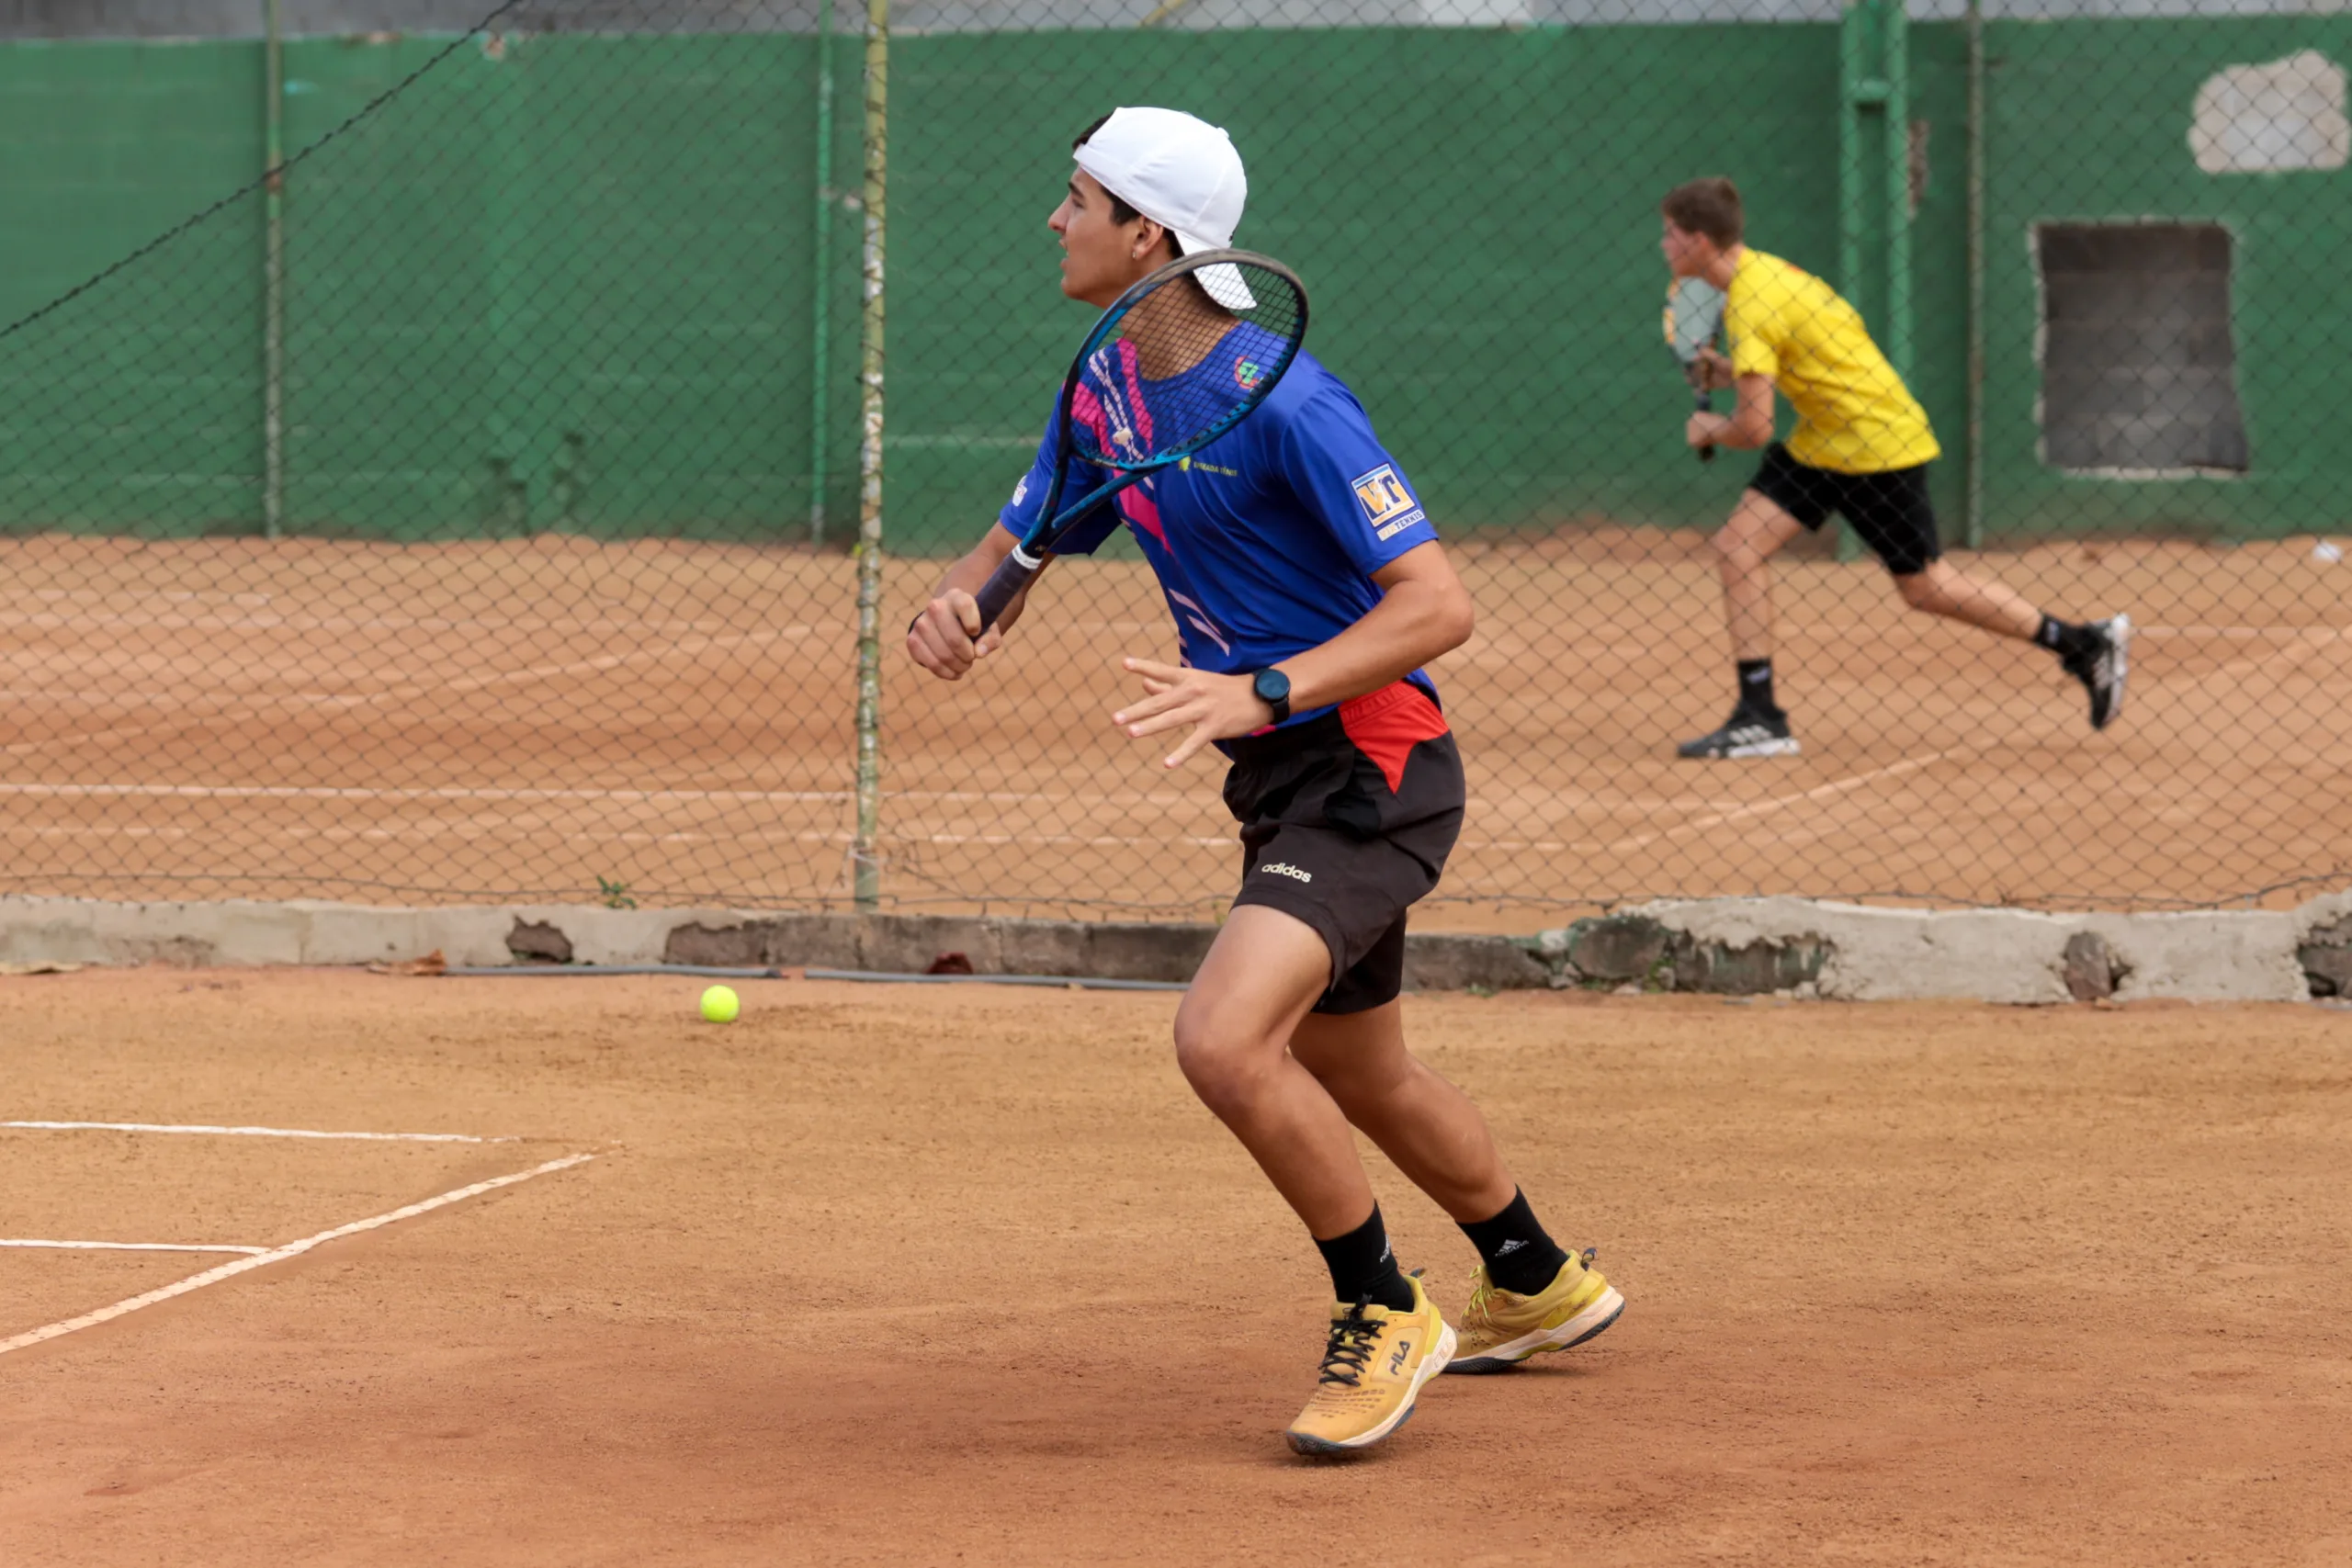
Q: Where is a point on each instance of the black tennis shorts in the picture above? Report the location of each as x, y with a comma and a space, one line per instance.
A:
1889, 510
1346, 820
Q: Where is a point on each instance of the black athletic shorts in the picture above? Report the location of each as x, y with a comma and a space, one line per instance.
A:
1889, 510
1346, 820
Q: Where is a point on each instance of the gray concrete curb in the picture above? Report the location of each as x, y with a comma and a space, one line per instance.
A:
1859, 954
1727, 946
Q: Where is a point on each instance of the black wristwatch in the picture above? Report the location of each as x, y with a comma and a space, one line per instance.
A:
1273, 688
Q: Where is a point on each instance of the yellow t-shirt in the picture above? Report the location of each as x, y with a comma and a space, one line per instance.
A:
1854, 415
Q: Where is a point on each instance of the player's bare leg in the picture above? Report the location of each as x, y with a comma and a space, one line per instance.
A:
1436, 1136
1263, 972
1744, 547
1424, 1125
2097, 653
1758, 529
1942, 588
1529, 1296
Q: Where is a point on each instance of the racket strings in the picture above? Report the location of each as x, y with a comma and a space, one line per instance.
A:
1183, 364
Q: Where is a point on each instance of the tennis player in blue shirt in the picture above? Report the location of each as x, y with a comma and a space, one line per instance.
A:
1308, 591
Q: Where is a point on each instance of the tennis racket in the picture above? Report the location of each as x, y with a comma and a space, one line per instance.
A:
1178, 360
1694, 314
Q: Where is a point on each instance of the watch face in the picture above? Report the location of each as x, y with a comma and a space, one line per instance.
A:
1272, 685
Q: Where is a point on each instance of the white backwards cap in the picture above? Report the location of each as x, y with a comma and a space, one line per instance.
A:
1182, 173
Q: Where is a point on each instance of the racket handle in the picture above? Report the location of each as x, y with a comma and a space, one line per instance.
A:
1004, 585
1706, 405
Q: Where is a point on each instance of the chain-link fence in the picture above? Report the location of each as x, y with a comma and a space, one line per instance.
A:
466, 502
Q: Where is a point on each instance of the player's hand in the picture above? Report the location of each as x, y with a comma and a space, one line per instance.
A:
946, 639
1712, 372
1218, 708
1704, 430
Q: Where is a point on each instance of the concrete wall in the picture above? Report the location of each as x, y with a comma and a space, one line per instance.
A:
1788, 947
569, 282
329, 18
2095, 128
242, 18
560, 283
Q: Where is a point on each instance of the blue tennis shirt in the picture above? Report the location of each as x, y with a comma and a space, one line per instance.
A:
1266, 539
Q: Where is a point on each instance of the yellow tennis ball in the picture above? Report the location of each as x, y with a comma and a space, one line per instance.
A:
719, 1004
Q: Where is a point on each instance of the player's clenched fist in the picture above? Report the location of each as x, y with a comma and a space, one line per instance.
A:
946, 639
1704, 429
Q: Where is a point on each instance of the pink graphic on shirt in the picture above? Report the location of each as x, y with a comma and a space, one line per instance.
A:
1109, 403
1138, 508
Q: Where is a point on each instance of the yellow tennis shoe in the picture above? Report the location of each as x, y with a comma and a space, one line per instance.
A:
1501, 1329
1373, 1367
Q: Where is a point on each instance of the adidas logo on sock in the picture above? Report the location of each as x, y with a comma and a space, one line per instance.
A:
1508, 1248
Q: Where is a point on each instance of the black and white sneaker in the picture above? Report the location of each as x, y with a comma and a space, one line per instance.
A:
2103, 671
1747, 735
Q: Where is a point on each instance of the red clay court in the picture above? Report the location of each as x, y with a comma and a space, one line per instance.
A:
893, 1275
487, 721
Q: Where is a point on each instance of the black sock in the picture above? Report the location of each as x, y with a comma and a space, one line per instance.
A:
2067, 640
1519, 1256
1362, 1267
1756, 687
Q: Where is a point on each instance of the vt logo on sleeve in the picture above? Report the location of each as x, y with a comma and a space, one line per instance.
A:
1387, 505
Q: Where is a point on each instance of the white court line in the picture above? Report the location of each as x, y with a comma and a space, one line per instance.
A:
2246, 634
207, 620
1741, 814
276, 1255
250, 1132
647, 796
411, 692
468, 833
526, 830
2286, 651
1097, 841
395, 792
132, 1247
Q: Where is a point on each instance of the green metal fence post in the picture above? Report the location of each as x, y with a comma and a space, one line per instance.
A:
1973, 517
821, 288
1895, 69
867, 871
1874, 80
1858, 88
1855, 83
273, 285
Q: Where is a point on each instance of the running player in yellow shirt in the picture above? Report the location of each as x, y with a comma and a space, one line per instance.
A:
1860, 449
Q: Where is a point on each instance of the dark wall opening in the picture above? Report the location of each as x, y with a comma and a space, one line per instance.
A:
2139, 369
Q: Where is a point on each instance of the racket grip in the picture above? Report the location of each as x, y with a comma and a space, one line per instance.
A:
1004, 585
1706, 405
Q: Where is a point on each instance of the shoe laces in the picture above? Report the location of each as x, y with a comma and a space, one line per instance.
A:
1349, 1347
1482, 1288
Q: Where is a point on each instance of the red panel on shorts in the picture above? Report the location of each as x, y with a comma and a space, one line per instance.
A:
1387, 724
